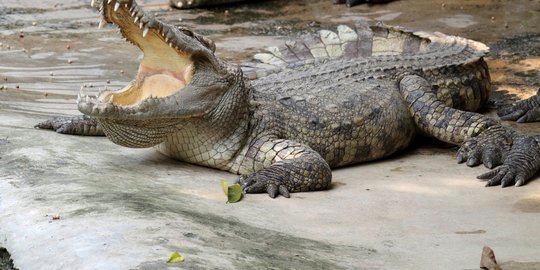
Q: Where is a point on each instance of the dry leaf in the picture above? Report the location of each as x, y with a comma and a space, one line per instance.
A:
488, 260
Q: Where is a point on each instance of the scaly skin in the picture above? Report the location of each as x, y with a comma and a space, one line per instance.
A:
326, 101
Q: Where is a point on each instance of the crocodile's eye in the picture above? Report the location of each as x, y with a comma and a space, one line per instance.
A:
186, 31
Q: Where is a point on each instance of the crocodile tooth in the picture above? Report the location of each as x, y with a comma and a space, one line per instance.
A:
141, 24
88, 99
116, 6
93, 3
136, 19
79, 96
145, 31
133, 13
101, 23
109, 1
170, 44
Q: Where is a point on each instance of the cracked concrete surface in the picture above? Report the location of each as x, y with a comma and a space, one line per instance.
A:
124, 208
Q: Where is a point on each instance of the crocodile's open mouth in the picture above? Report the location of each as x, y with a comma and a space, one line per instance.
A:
164, 69
167, 66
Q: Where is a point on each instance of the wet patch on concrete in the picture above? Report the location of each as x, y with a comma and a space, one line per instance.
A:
528, 205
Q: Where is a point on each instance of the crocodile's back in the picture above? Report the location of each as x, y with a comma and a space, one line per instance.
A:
452, 64
342, 99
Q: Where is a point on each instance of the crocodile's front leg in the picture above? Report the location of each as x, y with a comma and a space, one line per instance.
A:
483, 139
527, 110
288, 167
74, 125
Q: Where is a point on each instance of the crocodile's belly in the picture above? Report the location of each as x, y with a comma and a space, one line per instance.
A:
347, 123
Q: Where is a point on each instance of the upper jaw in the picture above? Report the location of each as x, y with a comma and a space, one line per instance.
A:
135, 23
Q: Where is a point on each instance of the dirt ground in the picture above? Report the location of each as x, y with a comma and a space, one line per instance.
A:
129, 209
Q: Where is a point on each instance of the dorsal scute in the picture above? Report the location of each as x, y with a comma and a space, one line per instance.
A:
363, 41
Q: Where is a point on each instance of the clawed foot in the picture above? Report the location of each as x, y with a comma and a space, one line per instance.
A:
259, 183
518, 166
527, 110
517, 155
490, 147
75, 125
504, 175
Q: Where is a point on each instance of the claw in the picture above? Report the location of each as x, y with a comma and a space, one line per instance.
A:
460, 159
472, 161
507, 180
284, 191
488, 175
272, 191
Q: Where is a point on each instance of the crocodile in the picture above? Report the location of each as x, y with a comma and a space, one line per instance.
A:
185, 4
324, 101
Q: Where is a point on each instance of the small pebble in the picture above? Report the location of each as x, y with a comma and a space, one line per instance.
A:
70, 61
443, 5
122, 71
56, 217
108, 81
68, 47
45, 94
51, 74
17, 86
34, 23
492, 18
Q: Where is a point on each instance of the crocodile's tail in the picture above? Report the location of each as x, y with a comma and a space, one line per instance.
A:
364, 41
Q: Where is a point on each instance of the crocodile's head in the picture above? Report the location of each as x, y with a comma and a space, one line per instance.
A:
178, 78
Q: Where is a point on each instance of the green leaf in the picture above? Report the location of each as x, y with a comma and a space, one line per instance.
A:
175, 258
233, 192
225, 187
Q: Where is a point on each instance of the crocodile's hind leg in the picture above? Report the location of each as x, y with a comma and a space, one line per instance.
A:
527, 110
288, 167
74, 125
482, 139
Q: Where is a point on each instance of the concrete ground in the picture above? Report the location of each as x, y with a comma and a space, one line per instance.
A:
71, 202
